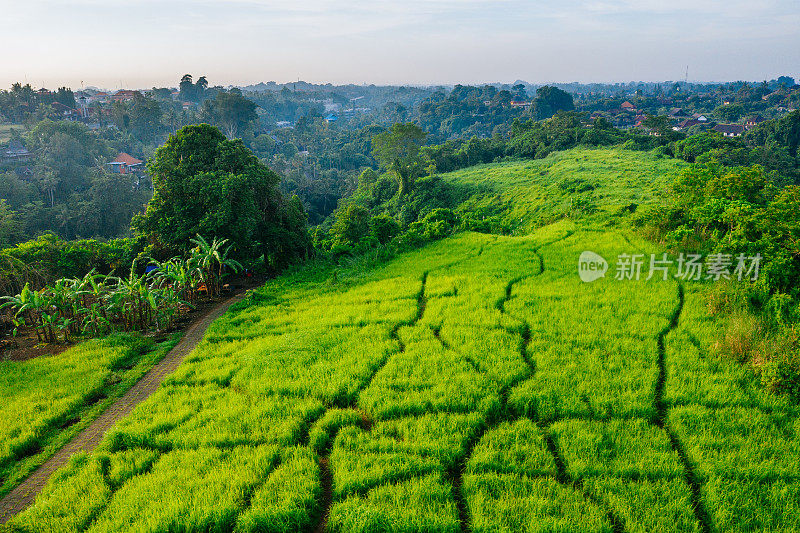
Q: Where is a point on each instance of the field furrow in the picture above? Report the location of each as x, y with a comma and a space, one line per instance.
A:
473, 385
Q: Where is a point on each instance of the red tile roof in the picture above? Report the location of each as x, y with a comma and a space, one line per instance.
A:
126, 159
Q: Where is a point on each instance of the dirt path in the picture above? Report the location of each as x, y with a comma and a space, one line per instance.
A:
23, 495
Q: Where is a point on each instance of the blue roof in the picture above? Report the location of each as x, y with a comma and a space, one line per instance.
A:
331, 118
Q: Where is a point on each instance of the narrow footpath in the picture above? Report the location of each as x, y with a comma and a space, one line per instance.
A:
24, 494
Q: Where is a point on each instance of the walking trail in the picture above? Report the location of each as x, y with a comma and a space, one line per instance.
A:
87, 440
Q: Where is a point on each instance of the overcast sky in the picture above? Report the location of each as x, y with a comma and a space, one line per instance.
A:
142, 43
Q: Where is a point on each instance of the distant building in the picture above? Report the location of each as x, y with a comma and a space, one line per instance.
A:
627, 106
331, 118
523, 104
754, 121
66, 112
16, 152
126, 164
100, 98
685, 124
730, 130
124, 95
699, 117
678, 112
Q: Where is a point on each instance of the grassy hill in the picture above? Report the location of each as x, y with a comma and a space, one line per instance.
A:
476, 384
597, 182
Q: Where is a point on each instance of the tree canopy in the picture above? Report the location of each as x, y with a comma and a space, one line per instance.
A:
398, 150
206, 184
551, 100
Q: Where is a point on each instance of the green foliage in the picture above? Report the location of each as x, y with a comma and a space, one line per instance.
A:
207, 184
734, 210
230, 111
352, 225
47, 400
551, 100
398, 150
566, 130
97, 303
10, 226
384, 228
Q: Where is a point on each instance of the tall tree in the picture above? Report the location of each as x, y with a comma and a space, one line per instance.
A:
188, 91
551, 100
206, 184
230, 111
398, 151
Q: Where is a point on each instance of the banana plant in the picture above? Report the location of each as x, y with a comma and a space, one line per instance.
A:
180, 274
212, 260
32, 307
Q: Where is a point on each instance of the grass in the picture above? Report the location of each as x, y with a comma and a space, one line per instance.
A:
595, 182
473, 385
47, 400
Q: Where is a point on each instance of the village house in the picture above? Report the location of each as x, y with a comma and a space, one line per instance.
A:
685, 124
753, 121
521, 104
15, 152
699, 117
66, 112
730, 130
678, 112
627, 106
100, 98
126, 164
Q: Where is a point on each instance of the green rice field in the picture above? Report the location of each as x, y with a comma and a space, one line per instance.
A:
475, 384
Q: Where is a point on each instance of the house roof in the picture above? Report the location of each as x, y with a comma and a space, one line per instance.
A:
729, 128
627, 105
125, 159
688, 123
62, 107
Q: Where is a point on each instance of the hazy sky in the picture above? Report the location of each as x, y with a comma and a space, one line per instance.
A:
142, 43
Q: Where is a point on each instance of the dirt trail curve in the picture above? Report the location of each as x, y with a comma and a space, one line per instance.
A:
23, 495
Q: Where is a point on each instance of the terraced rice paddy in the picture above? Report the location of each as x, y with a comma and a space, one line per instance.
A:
474, 385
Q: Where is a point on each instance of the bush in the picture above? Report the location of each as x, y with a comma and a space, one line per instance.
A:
384, 228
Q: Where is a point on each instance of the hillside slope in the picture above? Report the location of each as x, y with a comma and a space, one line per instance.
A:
475, 384
598, 183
